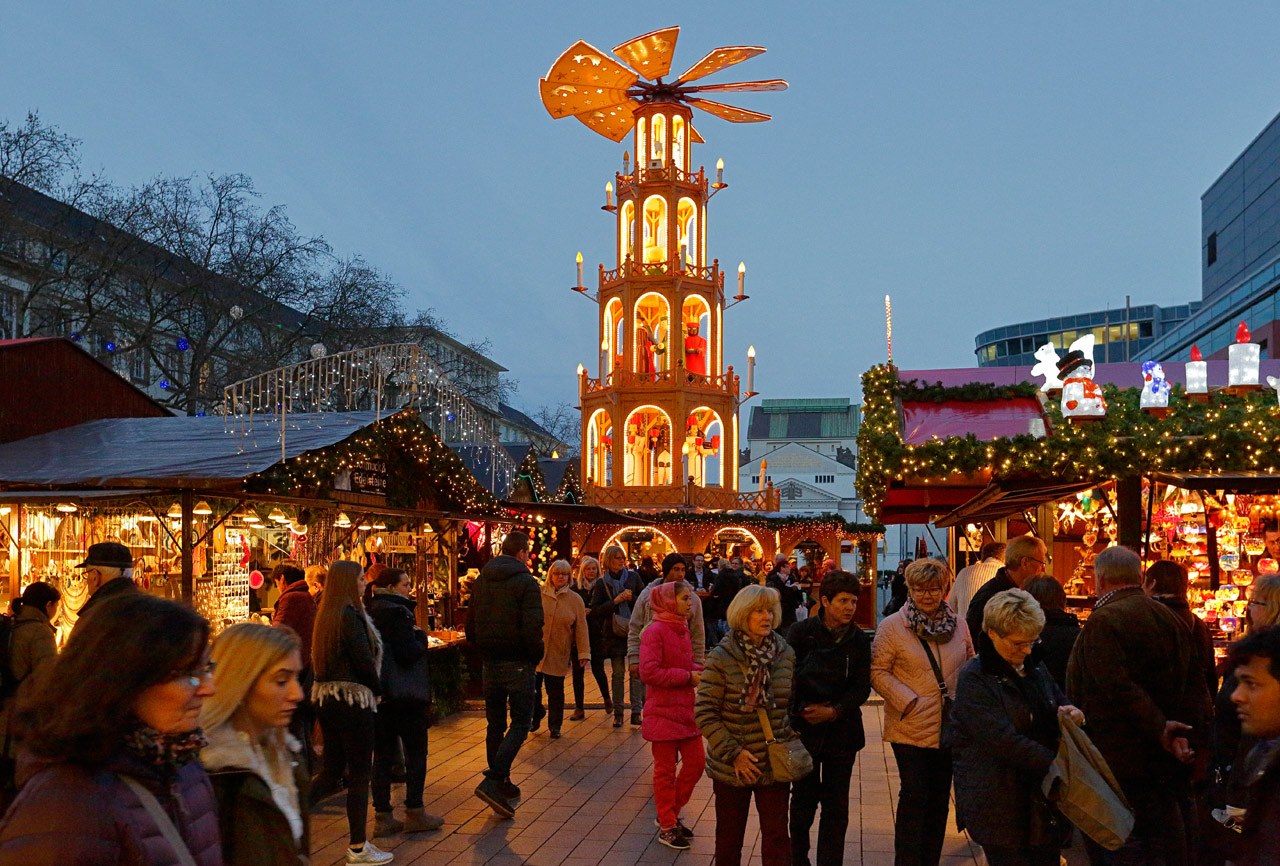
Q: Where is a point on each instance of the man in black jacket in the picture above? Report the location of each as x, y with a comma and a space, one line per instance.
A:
1133, 673
1256, 661
108, 572
504, 621
832, 682
1024, 558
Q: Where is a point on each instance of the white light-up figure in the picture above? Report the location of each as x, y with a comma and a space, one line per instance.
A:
1243, 359
1047, 366
1081, 398
1155, 387
1197, 373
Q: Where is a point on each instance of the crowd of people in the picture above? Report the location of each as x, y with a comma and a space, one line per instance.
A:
175, 746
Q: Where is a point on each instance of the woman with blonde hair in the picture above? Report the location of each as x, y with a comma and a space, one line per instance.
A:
749, 671
584, 584
316, 576
915, 661
346, 653
259, 776
564, 623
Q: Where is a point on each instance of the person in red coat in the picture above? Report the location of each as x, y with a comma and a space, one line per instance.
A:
670, 675
296, 608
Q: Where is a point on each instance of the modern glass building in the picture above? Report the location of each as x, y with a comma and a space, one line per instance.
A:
1239, 279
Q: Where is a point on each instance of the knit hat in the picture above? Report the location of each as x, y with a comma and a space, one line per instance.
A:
670, 561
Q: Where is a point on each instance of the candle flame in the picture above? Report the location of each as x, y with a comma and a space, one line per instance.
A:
579, 258
719, 165
581, 369
604, 344
751, 352
742, 267
608, 187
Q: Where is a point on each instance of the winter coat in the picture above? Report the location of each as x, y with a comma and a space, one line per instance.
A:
1004, 737
1133, 668
297, 609
602, 608
403, 643
978, 605
255, 831
790, 597
564, 623
642, 615
69, 814
704, 585
353, 674
505, 617
901, 674
594, 640
106, 592
666, 665
831, 672
1201, 638
1260, 841
1060, 632
34, 642
727, 727
726, 585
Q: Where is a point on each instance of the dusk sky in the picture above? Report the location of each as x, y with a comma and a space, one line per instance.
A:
983, 163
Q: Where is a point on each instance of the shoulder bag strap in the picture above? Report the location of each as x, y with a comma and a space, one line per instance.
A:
163, 823
937, 670
765, 726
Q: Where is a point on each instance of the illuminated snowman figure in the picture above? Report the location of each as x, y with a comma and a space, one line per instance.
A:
1081, 398
1155, 387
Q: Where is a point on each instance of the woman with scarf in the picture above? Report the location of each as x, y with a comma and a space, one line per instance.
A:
259, 775
611, 600
564, 624
583, 585
751, 669
670, 674
111, 728
346, 654
915, 658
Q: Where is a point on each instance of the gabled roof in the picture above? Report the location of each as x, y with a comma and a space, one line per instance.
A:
826, 460
553, 470
824, 418
482, 462
514, 416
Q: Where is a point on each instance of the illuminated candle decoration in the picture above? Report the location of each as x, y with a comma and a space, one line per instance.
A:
742, 277
1242, 359
580, 271
751, 370
1155, 387
1197, 373
719, 184
608, 196
1047, 366
581, 369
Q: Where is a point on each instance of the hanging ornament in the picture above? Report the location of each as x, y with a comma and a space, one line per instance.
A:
237, 313
318, 351
183, 344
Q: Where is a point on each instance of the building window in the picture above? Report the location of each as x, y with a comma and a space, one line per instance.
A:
755, 479
140, 365
1211, 252
824, 479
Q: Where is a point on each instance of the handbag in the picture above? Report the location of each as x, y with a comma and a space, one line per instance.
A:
789, 760
163, 823
942, 687
621, 625
409, 683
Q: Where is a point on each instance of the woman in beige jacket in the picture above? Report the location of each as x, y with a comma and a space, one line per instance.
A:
564, 623
923, 634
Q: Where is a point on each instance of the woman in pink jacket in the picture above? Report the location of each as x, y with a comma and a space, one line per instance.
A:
915, 661
668, 671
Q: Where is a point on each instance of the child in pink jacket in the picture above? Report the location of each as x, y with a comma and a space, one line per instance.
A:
670, 675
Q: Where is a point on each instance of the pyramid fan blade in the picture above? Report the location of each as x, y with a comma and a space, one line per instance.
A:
564, 100
742, 87
650, 54
720, 58
587, 66
731, 113
614, 121
695, 136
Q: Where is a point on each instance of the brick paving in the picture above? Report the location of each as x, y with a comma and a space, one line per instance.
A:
588, 800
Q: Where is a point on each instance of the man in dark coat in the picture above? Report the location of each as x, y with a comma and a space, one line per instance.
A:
1024, 558
1060, 628
108, 572
504, 621
789, 594
1134, 675
729, 579
297, 609
832, 682
1256, 661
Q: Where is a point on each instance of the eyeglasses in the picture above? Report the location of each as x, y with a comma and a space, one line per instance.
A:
1041, 561
937, 590
193, 678
1027, 645
1257, 604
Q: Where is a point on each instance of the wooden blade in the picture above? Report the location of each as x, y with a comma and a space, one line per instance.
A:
719, 58
731, 113
614, 122
564, 100
773, 84
586, 66
695, 136
650, 54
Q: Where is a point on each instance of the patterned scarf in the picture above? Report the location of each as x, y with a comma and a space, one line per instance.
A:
939, 628
165, 751
760, 658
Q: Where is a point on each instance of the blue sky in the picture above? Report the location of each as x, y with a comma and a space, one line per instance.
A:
984, 163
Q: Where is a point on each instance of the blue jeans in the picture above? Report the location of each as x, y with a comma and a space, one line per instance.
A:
513, 683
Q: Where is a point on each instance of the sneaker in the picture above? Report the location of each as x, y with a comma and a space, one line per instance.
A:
673, 838
578, 715
385, 824
510, 792
421, 821
635, 720
684, 831
369, 854
490, 792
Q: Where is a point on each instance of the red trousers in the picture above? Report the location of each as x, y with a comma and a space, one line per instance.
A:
671, 792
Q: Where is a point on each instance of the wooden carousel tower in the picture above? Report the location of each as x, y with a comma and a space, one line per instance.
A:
660, 420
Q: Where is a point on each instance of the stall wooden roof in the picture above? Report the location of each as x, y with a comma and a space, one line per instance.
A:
1004, 498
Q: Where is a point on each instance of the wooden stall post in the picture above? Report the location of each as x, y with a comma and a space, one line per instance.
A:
1129, 511
188, 555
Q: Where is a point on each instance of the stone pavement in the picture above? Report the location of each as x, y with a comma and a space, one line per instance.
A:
588, 800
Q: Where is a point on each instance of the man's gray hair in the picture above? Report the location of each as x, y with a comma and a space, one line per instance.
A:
779, 559
1022, 547
1117, 566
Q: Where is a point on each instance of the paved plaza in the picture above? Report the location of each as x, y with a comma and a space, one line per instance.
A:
588, 800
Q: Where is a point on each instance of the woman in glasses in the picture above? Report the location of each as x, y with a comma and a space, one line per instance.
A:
1004, 734
112, 736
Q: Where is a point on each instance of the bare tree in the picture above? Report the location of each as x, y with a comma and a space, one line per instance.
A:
564, 422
